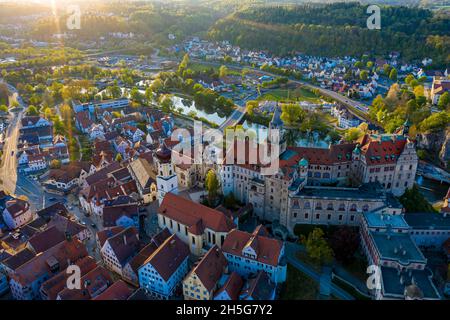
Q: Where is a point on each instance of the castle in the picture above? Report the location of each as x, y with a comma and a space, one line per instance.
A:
326, 186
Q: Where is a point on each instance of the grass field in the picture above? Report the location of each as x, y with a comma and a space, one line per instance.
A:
298, 94
196, 66
298, 286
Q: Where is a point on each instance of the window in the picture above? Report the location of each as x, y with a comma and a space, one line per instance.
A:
330, 206
307, 205
353, 207
342, 207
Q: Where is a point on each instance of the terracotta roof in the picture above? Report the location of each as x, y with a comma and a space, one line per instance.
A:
17, 207
54, 285
125, 244
143, 172
210, 268
194, 215
267, 250
259, 287
169, 256
232, 286
93, 283
57, 208
83, 119
379, 152
62, 253
46, 239
67, 226
102, 173
119, 290
112, 214
137, 261
106, 233
20, 258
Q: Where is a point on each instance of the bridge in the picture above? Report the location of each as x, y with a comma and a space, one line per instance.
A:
234, 118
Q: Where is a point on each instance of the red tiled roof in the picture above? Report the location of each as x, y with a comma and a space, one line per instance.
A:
379, 152
232, 286
194, 215
62, 253
268, 250
54, 285
93, 283
106, 233
46, 239
125, 244
111, 214
168, 257
210, 268
119, 290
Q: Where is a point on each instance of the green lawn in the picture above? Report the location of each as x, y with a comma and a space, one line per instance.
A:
196, 66
298, 286
298, 94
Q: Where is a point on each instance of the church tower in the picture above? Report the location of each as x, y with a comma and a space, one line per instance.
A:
166, 179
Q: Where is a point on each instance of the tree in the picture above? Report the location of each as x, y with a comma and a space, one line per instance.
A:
413, 201
32, 111
364, 75
318, 248
386, 69
444, 101
251, 106
409, 78
166, 103
229, 201
118, 157
353, 134
212, 186
3, 108
345, 242
393, 74
292, 113
55, 164
223, 71
183, 64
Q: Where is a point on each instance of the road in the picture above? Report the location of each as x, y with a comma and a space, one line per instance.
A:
8, 169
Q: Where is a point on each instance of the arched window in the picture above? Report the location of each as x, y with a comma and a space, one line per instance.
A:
318, 206
365, 208
316, 174
307, 205
330, 206
342, 207
353, 207
326, 175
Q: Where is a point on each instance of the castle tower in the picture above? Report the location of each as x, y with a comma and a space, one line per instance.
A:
166, 179
277, 124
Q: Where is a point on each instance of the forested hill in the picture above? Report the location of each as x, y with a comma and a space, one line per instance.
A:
338, 29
